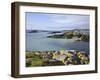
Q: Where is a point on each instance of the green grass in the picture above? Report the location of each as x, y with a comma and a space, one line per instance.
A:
33, 60
36, 62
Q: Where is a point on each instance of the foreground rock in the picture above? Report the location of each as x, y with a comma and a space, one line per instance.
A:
55, 58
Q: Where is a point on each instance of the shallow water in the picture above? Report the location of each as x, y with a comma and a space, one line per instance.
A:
40, 42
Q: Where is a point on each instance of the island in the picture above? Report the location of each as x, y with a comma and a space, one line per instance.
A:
72, 34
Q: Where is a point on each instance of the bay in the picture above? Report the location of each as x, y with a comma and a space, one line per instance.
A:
39, 42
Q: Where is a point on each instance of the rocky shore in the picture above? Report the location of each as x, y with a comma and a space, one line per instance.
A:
55, 58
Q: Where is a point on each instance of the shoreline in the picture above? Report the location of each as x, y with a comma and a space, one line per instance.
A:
53, 58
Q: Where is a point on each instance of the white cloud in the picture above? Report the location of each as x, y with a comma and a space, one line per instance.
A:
68, 19
60, 19
60, 22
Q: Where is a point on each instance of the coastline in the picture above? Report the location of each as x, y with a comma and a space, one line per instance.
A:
56, 58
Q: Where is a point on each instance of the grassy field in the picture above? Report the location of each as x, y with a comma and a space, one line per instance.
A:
33, 59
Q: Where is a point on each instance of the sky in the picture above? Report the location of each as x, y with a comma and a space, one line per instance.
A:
50, 21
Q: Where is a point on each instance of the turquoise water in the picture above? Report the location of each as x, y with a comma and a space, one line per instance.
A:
40, 42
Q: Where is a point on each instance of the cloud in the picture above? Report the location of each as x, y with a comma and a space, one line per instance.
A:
60, 18
69, 19
57, 21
